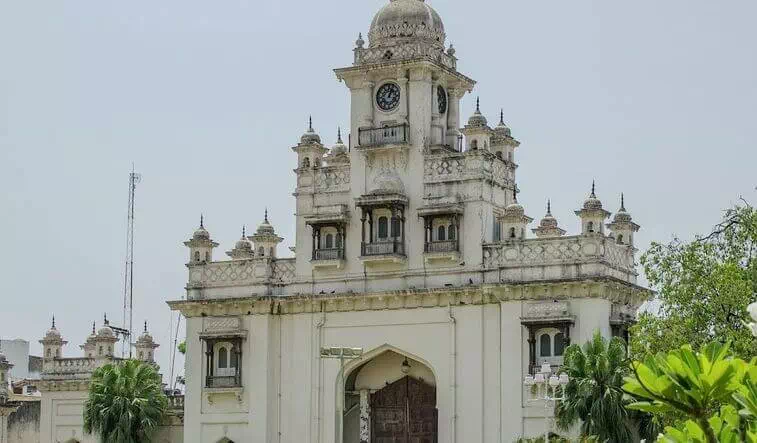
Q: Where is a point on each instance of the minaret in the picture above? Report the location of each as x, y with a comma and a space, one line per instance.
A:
477, 132
145, 347
592, 215
243, 248
309, 150
622, 227
200, 246
52, 344
265, 239
548, 227
89, 346
514, 221
104, 340
502, 142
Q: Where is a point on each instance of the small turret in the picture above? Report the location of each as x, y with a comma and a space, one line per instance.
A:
200, 246
104, 340
52, 343
622, 227
265, 239
309, 151
89, 347
338, 153
503, 144
548, 226
477, 132
243, 248
592, 214
514, 220
145, 347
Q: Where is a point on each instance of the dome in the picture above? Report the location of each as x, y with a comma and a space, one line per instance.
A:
592, 203
310, 137
52, 333
514, 210
105, 332
265, 228
201, 233
477, 119
339, 147
502, 129
622, 216
145, 337
549, 221
406, 19
242, 244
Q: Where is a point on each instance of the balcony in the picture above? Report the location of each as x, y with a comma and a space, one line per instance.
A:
383, 252
328, 258
219, 381
442, 246
386, 136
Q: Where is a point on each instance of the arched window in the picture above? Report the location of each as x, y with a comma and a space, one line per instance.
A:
223, 358
590, 227
510, 156
233, 359
383, 227
452, 232
512, 232
474, 144
207, 257
396, 228
338, 241
545, 345
100, 351
48, 352
261, 251
197, 255
499, 155
141, 355
306, 162
441, 233
620, 239
559, 344
329, 241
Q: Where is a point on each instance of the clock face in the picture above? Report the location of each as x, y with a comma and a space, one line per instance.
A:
388, 96
441, 96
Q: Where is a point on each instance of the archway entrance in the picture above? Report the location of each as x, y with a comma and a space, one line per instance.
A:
404, 412
389, 398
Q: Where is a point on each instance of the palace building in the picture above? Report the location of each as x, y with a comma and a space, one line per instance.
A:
418, 297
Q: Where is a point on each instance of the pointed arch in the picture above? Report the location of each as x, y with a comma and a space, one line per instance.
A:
357, 363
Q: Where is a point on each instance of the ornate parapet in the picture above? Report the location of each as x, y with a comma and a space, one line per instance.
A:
412, 50
471, 165
594, 255
242, 272
67, 367
332, 178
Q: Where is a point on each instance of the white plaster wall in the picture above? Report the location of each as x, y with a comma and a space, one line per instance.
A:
61, 417
17, 352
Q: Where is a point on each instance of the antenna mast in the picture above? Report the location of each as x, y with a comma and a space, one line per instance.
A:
134, 179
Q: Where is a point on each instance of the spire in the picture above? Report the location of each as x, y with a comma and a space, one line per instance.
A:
53, 321
105, 319
622, 202
310, 124
339, 135
593, 189
202, 221
244, 231
478, 105
145, 326
93, 328
549, 207
502, 117
515, 194
266, 215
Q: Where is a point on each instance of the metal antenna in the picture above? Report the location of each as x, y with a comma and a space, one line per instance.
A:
134, 179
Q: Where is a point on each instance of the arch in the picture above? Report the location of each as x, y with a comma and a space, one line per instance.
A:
474, 144
545, 345
620, 239
441, 233
383, 227
512, 232
261, 251
356, 363
306, 162
329, 241
590, 226
197, 255
223, 358
559, 345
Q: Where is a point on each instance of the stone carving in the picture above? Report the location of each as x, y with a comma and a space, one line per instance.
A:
332, 178
284, 270
222, 324
547, 310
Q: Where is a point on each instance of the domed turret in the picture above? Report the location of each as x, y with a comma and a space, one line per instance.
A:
243, 248
5, 367
403, 20
622, 227
310, 136
52, 343
105, 339
265, 239
514, 220
339, 147
592, 214
502, 130
145, 346
200, 246
478, 134
309, 151
548, 226
477, 119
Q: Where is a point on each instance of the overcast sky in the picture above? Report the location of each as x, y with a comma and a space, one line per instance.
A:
656, 99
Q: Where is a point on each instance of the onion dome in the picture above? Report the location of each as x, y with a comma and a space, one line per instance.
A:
403, 20
622, 216
477, 119
502, 130
105, 331
52, 333
265, 228
548, 226
593, 203
310, 137
243, 248
339, 147
201, 233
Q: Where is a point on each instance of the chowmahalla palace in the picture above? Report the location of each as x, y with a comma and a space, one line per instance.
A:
419, 295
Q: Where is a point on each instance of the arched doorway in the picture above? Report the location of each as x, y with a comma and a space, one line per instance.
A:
390, 398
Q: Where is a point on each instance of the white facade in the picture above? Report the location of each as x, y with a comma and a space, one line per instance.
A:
414, 280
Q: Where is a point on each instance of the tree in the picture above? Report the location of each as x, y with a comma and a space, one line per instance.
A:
704, 287
126, 402
706, 387
594, 394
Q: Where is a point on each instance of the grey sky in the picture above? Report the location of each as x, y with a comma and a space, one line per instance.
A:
654, 98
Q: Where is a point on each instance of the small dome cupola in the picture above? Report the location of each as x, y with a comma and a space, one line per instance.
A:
514, 220
52, 343
310, 137
145, 346
339, 147
406, 20
200, 245
477, 119
623, 227
243, 248
548, 226
105, 331
501, 129
265, 239
592, 214
105, 339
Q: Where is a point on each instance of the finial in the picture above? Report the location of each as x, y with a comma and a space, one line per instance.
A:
266, 215
105, 319
622, 202
515, 194
502, 117
310, 124
202, 221
244, 231
339, 135
549, 207
145, 326
478, 104
93, 328
593, 188
53, 322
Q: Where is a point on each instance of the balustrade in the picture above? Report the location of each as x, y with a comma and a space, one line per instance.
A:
387, 135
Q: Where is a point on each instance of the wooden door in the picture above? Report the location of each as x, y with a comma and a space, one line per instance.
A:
404, 412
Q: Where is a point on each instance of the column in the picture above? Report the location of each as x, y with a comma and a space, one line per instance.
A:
453, 115
365, 416
313, 227
531, 348
404, 102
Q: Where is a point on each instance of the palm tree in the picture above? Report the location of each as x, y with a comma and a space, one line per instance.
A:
594, 395
126, 402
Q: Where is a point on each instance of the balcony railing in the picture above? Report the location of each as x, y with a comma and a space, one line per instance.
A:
329, 254
383, 248
216, 381
387, 135
176, 401
442, 246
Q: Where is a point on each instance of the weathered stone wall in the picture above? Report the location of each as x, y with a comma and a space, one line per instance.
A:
23, 425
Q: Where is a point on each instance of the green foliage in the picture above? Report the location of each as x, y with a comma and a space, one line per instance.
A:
704, 287
182, 347
554, 438
126, 402
594, 395
705, 386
